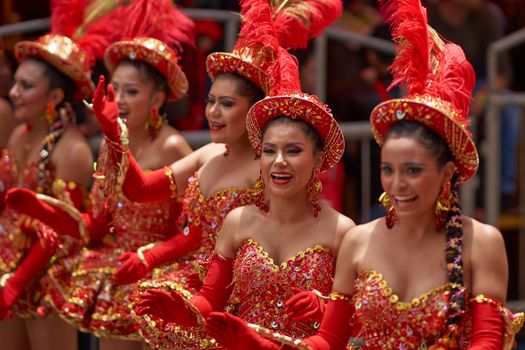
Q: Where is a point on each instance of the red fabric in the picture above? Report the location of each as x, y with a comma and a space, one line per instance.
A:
2, 201
106, 110
234, 334
333, 181
141, 187
34, 263
305, 305
487, 327
171, 307
335, 327
133, 269
168, 306
25, 202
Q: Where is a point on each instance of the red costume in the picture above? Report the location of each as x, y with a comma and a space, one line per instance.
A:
28, 245
439, 81
83, 288
252, 286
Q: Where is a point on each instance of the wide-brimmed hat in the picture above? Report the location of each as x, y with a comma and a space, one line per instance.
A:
439, 81
155, 53
65, 55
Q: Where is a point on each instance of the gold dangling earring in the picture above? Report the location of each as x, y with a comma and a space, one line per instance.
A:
154, 122
313, 189
258, 192
391, 217
443, 204
50, 115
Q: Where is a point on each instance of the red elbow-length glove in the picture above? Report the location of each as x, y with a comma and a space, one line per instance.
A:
135, 267
26, 202
33, 263
335, 327
138, 186
173, 307
234, 334
105, 109
487, 325
158, 185
305, 305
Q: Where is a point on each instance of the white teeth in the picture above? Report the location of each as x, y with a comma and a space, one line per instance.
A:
280, 176
404, 198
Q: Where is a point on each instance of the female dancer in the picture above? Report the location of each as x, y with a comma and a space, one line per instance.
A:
145, 74
47, 154
274, 248
424, 275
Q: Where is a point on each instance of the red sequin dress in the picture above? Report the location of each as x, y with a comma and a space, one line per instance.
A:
208, 213
262, 287
83, 290
40, 178
382, 321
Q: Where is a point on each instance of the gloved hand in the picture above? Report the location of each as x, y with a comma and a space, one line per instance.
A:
335, 327
305, 305
213, 296
26, 202
133, 268
106, 111
168, 306
234, 334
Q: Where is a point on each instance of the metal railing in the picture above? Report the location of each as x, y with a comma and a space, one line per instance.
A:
491, 148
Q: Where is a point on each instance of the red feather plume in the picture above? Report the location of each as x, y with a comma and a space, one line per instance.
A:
257, 29
297, 21
425, 63
67, 16
73, 19
160, 20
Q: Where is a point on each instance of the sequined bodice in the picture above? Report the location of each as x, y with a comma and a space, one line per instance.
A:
209, 212
385, 322
11, 175
261, 287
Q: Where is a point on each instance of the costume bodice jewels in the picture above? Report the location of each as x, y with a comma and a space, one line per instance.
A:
383, 321
12, 175
208, 212
262, 287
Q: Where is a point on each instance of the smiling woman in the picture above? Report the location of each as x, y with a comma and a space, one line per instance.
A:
285, 243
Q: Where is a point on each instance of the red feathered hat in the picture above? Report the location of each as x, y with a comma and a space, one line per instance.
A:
439, 81
154, 33
256, 49
306, 20
79, 34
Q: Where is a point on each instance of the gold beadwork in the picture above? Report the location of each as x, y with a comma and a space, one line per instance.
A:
173, 187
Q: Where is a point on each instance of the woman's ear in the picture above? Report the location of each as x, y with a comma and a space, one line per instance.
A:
449, 170
56, 96
158, 99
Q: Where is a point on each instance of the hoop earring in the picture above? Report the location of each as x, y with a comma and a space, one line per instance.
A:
50, 115
155, 122
258, 192
443, 204
313, 188
391, 216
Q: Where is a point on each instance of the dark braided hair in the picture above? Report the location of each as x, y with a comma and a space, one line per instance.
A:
437, 146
